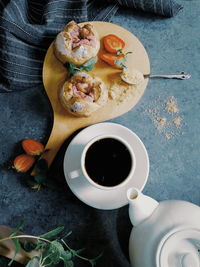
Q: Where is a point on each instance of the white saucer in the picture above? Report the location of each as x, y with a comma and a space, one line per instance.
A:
92, 196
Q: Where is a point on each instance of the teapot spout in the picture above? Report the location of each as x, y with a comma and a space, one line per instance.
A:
140, 206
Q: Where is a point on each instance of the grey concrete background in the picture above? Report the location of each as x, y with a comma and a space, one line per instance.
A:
173, 45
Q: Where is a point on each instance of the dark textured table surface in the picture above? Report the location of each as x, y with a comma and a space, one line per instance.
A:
172, 45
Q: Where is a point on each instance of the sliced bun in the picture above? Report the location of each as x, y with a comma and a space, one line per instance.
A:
83, 94
76, 44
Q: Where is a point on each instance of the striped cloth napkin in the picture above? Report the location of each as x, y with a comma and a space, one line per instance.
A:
27, 27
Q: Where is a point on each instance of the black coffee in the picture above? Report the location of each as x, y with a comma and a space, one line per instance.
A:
108, 162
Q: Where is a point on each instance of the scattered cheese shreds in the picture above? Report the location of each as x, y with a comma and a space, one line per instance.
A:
177, 122
168, 136
161, 122
163, 114
171, 105
121, 91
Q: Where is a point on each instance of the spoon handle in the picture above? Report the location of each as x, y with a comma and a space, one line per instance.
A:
183, 76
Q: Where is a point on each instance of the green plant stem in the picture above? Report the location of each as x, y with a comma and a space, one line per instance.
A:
47, 241
77, 255
25, 236
42, 261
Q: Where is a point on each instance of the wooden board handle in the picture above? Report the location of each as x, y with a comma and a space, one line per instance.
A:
60, 132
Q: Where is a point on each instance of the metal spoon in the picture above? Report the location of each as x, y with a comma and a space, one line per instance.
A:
182, 76
136, 77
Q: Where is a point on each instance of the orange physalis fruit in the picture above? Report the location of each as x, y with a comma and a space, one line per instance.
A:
23, 163
32, 147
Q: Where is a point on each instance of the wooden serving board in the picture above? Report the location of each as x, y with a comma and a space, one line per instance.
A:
55, 74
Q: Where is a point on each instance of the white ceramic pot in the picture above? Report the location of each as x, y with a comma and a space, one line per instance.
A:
165, 234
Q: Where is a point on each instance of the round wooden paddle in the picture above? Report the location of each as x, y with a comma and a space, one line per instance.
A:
55, 74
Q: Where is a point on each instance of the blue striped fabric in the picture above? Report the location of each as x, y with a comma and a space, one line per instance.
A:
27, 27
166, 8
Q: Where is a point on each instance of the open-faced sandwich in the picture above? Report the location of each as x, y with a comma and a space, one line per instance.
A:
83, 94
76, 44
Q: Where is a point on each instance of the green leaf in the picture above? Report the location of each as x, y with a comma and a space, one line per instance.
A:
55, 252
90, 62
34, 262
53, 233
71, 67
66, 255
119, 52
17, 249
123, 66
89, 65
16, 241
88, 68
93, 261
18, 228
40, 178
57, 247
41, 168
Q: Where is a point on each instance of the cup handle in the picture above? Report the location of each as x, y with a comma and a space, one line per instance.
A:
74, 174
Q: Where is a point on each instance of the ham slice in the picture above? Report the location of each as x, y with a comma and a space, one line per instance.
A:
87, 95
82, 36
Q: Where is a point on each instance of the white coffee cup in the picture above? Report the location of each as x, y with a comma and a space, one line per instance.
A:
83, 173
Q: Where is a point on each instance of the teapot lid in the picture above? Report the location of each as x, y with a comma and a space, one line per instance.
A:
179, 248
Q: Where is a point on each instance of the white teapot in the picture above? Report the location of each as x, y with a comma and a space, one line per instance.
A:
165, 234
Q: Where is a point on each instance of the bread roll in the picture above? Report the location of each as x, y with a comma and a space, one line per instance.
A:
76, 44
83, 94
